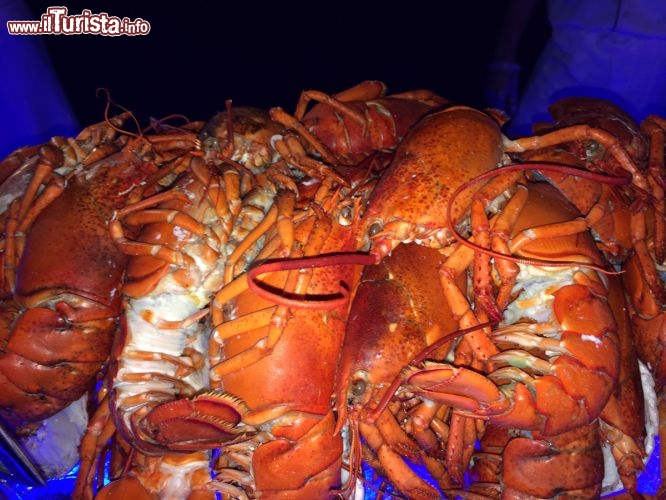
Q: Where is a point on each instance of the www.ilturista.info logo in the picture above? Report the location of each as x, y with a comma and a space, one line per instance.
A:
56, 21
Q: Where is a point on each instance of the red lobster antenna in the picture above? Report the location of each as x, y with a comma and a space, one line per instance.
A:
313, 302
548, 167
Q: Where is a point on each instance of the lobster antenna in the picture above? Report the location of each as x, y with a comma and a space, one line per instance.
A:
313, 303
229, 147
228, 150
154, 123
553, 167
110, 101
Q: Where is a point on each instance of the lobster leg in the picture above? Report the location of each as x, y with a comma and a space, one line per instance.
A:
391, 446
291, 150
364, 91
458, 262
296, 153
501, 229
100, 430
460, 446
33, 203
483, 293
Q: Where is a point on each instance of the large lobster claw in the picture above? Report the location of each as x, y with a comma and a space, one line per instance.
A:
53, 358
278, 464
203, 421
576, 454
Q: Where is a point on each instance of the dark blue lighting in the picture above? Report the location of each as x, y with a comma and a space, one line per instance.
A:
377, 489
650, 479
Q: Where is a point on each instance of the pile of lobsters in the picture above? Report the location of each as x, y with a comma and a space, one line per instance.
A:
270, 305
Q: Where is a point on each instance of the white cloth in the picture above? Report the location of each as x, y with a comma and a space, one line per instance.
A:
613, 49
33, 106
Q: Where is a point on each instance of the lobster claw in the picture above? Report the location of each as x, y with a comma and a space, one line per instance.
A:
203, 421
53, 361
530, 458
278, 464
458, 387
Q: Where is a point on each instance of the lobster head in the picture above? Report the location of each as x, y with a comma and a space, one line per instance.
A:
412, 200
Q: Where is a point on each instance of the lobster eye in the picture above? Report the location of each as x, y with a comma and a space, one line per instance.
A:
592, 149
210, 143
375, 228
346, 216
358, 388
